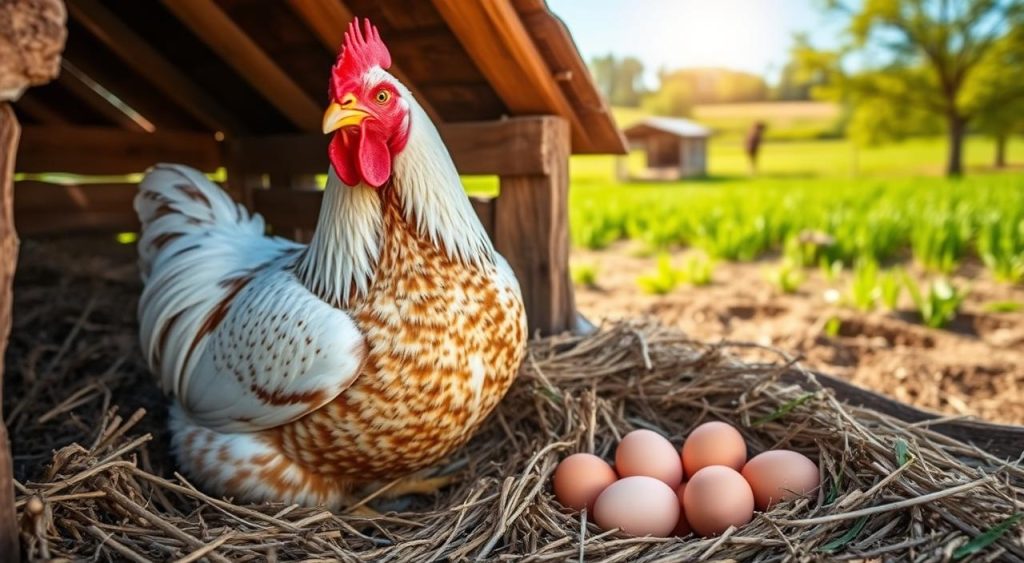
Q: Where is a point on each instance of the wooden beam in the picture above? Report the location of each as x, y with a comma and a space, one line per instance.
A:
329, 19
531, 230
513, 146
228, 40
39, 111
42, 208
105, 150
556, 45
83, 88
8, 261
496, 40
137, 53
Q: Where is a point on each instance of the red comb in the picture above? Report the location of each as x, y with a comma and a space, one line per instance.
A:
361, 51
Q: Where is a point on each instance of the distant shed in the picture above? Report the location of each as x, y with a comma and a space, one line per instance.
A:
676, 148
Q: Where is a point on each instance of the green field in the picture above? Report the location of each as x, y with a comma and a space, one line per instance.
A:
816, 202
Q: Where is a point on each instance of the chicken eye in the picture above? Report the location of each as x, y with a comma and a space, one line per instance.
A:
383, 96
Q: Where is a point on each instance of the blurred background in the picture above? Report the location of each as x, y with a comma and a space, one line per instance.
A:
843, 180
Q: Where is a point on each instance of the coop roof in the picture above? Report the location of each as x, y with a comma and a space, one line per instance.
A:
251, 67
678, 127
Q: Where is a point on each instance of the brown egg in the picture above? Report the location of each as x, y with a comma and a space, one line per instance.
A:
642, 452
639, 506
779, 475
682, 527
580, 478
713, 443
715, 498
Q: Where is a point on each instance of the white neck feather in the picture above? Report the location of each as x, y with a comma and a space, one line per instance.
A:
341, 259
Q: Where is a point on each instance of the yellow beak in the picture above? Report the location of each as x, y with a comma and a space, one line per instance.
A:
344, 114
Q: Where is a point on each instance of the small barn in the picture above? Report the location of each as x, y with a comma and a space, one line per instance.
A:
674, 147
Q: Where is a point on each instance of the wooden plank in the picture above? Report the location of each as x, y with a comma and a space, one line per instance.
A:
513, 146
556, 47
997, 439
39, 111
137, 53
484, 207
45, 208
104, 150
329, 19
8, 261
495, 38
531, 231
231, 43
85, 90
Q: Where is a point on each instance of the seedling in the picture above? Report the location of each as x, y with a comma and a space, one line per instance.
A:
663, 280
939, 303
584, 275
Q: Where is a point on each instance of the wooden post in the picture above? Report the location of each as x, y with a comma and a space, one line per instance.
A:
8, 259
531, 230
32, 35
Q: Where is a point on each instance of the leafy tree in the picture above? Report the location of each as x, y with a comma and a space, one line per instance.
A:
929, 54
997, 94
620, 80
795, 81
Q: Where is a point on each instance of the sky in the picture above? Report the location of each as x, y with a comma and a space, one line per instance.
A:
749, 35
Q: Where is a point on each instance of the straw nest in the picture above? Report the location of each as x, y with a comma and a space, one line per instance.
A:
890, 490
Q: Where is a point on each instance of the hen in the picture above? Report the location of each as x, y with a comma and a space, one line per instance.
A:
298, 371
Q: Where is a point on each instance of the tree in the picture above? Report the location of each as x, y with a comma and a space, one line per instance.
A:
620, 80
795, 81
997, 93
929, 52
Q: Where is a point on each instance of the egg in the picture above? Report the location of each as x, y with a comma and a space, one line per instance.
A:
682, 527
639, 506
713, 443
643, 452
779, 475
580, 478
715, 498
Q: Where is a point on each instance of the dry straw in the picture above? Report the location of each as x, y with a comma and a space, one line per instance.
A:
890, 490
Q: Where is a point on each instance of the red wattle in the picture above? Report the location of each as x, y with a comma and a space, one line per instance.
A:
342, 155
374, 157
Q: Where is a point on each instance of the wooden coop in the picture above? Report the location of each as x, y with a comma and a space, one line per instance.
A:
675, 148
239, 86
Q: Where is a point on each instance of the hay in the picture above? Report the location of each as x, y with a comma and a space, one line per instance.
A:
112, 493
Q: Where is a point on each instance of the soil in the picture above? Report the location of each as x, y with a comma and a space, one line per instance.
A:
973, 367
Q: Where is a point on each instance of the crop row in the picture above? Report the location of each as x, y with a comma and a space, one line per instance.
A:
818, 223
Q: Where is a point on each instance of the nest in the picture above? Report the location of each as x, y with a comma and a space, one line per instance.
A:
890, 490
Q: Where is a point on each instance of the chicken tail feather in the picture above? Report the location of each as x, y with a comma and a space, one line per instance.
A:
175, 201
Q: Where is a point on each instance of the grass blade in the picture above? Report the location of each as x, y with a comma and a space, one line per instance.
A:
902, 452
846, 538
988, 538
784, 409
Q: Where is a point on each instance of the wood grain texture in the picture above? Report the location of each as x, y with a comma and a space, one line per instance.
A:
997, 439
531, 230
555, 44
136, 52
497, 41
41, 208
105, 150
236, 48
8, 260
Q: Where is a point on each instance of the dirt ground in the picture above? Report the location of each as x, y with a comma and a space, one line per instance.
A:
973, 367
